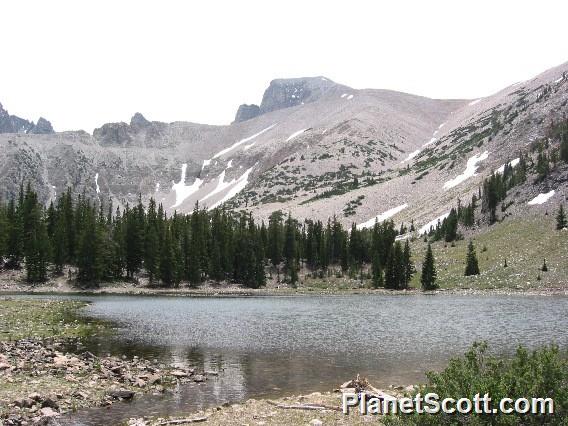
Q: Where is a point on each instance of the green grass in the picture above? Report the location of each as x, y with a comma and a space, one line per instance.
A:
524, 242
21, 318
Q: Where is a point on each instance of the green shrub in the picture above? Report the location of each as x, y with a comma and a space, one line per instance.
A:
542, 373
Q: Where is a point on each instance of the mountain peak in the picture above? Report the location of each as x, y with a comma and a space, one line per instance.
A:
289, 92
42, 126
13, 124
138, 120
285, 93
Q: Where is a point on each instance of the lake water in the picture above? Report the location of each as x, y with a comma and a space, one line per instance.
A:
272, 346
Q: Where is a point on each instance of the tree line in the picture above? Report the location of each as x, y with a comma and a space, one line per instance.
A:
106, 244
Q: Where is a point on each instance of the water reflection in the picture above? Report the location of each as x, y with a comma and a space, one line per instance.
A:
272, 346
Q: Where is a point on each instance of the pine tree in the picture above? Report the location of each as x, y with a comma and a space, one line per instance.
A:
377, 271
394, 275
37, 251
151, 243
544, 266
561, 221
290, 251
275, 240
564, 146
472, 267
407, 262
89, 259
429, 274
168, 266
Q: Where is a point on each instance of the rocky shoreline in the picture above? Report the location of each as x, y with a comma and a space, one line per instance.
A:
41, 380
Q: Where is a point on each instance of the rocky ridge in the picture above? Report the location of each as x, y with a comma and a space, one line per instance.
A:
313, 147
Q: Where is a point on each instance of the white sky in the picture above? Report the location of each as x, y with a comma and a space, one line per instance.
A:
83, 63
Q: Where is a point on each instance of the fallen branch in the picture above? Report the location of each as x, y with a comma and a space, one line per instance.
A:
304, 406
182, 421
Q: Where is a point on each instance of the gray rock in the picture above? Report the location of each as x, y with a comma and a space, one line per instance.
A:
246, 112
120, 394
285, 93
138, 120
42, 127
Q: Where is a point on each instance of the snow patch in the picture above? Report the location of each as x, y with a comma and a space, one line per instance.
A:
230, 164
205, 164
411, 156
432, 224
349, 97
382, 217
474, 102
242, 141
441, 125
157, 186
237, 187
512, 163
97, 183
345, 94
182, 191
558, 80
221, 186
470, 170
541, 198
295, 134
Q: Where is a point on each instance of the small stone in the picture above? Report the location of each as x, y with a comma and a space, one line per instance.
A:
154, 379
35, 396
49, 403
121, 394
199, 378
23, 403
316, 422
48, 412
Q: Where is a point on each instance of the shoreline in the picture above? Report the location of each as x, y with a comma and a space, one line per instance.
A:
237, 291
46, 372
12, 282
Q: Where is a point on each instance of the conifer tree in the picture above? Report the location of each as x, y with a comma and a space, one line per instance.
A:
275, 240
561, 221
290, 251
472, 267
429, 274
151, 243
544, 266
377, 271
37, 251
89, 259
564, 146
407, 262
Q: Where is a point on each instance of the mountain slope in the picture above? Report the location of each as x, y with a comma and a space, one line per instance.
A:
313, 147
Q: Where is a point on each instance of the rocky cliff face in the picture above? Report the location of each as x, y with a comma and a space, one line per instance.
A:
13, 124
247, 112
42, 127
286, 93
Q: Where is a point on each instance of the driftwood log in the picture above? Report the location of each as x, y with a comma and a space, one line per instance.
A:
304, 406
183, 421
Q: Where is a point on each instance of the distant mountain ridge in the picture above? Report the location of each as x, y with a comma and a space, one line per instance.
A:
13, 124
313, 147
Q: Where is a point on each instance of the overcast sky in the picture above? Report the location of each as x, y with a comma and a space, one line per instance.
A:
83, 63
